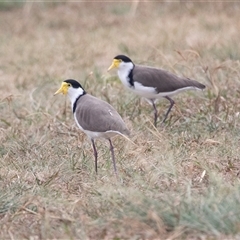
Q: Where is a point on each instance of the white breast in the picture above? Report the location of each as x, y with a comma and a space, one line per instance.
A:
123, 72
123, 76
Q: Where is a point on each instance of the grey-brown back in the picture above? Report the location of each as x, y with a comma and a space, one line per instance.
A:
162, 80
96, 115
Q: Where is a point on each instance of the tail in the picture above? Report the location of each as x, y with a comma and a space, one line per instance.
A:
125, 135
195, 84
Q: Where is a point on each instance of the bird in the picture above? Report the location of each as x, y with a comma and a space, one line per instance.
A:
152, 83
95, 117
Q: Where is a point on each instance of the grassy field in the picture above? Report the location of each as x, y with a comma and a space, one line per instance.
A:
180, 181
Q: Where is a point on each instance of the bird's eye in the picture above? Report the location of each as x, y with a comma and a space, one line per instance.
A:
69, 84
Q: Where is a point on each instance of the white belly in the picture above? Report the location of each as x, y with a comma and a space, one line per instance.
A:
150, 92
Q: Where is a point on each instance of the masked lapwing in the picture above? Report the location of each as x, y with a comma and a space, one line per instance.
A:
95, 117
152, 83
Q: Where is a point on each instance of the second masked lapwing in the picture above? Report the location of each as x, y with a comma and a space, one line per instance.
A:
95, 117
152, 83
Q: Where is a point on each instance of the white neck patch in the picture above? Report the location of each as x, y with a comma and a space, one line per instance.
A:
74, 93
123, 72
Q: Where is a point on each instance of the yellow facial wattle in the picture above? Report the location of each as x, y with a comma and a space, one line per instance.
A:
63, 89
115, 64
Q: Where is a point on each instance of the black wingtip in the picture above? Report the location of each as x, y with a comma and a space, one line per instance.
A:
202, 86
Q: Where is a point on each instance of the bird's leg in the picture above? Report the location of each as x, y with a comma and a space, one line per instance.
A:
155, 112
113, 157
95, 154
169, 109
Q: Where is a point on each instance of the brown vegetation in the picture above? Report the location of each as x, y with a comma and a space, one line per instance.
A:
180, 181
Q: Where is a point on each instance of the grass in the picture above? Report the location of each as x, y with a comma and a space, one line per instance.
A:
180, 181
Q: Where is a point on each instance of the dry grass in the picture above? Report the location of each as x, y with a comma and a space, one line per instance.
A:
176, 182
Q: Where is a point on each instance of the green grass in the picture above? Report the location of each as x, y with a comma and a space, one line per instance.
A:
6, 5
178, 181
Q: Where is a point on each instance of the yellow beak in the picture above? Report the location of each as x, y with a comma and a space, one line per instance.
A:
115, 64
63, 89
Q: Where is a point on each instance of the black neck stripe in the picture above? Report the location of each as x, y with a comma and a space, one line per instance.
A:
75, 103
130, 75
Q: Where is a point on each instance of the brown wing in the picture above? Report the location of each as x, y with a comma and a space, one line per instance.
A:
161, 80
97, 115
